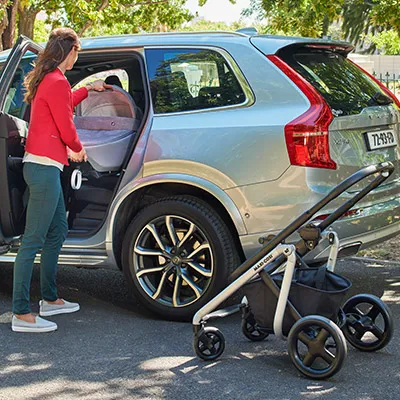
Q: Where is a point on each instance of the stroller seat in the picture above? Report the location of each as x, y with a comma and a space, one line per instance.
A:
105, 122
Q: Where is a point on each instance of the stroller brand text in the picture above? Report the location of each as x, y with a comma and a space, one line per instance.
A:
263, 262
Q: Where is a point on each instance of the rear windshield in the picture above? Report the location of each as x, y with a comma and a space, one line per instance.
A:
346, 88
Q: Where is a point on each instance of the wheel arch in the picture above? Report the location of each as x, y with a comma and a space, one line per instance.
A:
145, 191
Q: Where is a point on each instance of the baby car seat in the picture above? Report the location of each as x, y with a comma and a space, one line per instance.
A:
105, 122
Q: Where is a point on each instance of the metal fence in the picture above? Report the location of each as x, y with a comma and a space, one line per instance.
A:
391, 81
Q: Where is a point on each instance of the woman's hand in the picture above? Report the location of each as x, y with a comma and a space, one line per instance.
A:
98, 86
78, 157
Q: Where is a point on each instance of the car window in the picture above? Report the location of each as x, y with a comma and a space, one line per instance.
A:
14, 103
117, 77
183, 80
346, 88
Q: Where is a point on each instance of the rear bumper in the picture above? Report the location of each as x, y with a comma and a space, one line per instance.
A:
361, 241
373, 225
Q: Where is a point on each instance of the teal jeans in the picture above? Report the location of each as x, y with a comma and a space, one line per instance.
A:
46, 229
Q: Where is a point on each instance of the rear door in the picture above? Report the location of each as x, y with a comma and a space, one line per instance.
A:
14, 116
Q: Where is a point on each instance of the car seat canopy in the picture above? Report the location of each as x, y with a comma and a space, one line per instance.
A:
110, 103
105, 122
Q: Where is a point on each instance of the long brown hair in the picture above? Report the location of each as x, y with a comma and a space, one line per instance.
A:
61, 42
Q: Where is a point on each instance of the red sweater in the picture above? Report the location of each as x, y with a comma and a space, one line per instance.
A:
51, 127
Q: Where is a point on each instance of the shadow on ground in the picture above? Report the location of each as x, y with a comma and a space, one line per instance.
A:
113, 349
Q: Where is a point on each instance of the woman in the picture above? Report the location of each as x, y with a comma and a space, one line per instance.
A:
51, 132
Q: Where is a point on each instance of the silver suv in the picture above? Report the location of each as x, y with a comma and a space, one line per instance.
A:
213, 142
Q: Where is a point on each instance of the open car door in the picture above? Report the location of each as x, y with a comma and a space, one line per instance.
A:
14, 118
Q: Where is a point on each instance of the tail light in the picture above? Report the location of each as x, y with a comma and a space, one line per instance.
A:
351, 213
381, 85
307, 139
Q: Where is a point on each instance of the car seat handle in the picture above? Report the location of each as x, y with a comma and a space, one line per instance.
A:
76, 179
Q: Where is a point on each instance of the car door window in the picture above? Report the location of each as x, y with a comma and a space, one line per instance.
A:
192, 79
14, 103
118, 77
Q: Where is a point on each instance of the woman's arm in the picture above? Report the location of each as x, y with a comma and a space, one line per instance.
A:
79, 95
60, 104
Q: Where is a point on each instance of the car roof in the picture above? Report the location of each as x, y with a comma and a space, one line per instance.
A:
219, 38
152, 39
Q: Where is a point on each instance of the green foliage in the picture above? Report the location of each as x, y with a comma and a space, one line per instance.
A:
356, 20
202, 2
104, 30
122, 16
38, 5
361, 21
364, 19
313, 18
105, 17
387, 42
41, 32
203, 25
335, 32
109, 16
297, 17
386, 13
3, 9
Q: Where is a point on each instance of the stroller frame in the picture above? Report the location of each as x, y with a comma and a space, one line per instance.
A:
289, 252
272, 257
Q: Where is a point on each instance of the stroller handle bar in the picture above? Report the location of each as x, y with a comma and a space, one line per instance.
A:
384, 170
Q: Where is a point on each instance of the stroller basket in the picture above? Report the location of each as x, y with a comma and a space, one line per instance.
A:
314, 291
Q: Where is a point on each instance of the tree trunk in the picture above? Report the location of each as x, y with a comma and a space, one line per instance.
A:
3, 20
325, 26
26, 22
9, 32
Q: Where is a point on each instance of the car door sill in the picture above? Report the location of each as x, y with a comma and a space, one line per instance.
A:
77, 257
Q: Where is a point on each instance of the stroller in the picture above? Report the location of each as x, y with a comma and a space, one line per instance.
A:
285, 297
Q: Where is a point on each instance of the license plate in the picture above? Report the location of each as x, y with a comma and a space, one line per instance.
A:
380, 139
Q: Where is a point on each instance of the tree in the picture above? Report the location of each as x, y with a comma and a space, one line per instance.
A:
82, 15
297, 17
29, 9
387, 42
131, 17
102, 17
3, 18
358, 18
203, 25
9, 31
41, 31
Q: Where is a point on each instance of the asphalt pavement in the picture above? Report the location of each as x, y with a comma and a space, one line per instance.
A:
113, 349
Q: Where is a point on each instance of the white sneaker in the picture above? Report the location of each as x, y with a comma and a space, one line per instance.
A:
46, 309
41, 325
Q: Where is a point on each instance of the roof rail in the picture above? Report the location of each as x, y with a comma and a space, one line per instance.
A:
248, 31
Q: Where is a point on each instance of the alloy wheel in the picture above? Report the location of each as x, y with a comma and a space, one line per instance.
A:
173, 261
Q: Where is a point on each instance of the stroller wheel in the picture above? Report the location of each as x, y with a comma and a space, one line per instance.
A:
210, 344
369, 322
317, 347
250, 330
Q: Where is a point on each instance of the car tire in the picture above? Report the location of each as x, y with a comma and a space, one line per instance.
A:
177, 254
